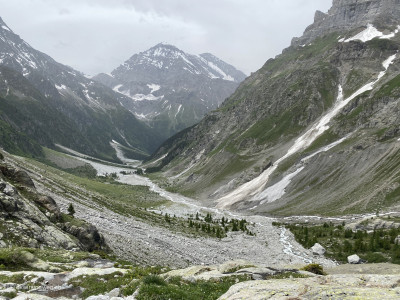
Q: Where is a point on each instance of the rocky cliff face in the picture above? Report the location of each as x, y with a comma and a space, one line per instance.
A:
351, 14
171, 89
315, 130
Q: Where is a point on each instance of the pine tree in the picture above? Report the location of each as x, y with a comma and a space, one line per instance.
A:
71, 210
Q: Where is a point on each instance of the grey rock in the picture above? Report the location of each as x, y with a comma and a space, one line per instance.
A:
258, 273
9, 190
48, 203
397, 240
114, 293
98, 297
317, 249
353, 259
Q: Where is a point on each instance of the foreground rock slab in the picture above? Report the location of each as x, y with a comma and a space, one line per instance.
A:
343, 286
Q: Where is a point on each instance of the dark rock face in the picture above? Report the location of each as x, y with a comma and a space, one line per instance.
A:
89, 237
345, 15
17, 176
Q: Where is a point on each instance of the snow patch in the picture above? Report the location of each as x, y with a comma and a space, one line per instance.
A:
5, 28
370, 33
139, 97
154, 87
149, 97
277, 190
60, 87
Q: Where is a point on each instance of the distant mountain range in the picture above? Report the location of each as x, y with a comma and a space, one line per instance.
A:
170, 89
43, 102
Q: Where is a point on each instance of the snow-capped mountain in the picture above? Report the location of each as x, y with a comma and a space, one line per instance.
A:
84, 107
171, 89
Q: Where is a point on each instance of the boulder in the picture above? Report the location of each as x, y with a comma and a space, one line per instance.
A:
258, 273
354, 259
397, 240
317, 249
18, 176
114, 293
87, 234
234, 265
48, 203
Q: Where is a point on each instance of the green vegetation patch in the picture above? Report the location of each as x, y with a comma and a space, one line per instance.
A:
175, 288
391, 88
376, 246
100, 284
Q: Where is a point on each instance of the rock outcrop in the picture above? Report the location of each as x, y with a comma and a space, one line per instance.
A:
318, 287
350, 14
29, 219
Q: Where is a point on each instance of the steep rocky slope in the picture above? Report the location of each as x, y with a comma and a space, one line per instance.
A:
171, 89
315, 130
31, 219
44, 102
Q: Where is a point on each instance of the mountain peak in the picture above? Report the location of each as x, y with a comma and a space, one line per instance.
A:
174, 62
351, 14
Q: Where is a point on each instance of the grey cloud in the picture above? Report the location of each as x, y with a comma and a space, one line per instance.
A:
98, 35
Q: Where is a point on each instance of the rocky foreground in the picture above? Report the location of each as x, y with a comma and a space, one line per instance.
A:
247, 281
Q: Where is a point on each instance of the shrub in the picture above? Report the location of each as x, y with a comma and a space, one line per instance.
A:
154, 279
314, 268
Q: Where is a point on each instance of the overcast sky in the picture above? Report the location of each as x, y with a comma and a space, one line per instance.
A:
96, 36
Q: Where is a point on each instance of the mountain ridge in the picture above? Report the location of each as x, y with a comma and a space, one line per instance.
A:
88, 107
350, 14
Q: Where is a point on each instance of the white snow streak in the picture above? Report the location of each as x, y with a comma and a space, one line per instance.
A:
222, 73
179, 109
255, 186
